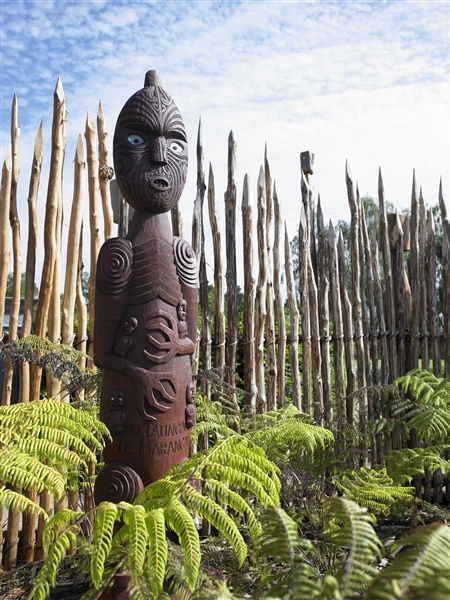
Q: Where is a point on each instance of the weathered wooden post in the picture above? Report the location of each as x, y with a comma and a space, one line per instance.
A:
146, 303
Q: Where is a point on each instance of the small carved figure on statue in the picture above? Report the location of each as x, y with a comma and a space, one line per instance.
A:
190, 406
124, 340
182, 324
115, 420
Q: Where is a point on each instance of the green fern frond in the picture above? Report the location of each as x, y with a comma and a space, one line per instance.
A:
24, 471
249, 469
106, 515
48, 444
432, 423
428, 410
45, 346
61, 521
240, 479
212, 419
215, 514
46, 577
351, 528
424, 561
372, 489
162, 490
18, 502
286, 433
423, 386
44, 448
221, 493
134, 517
280, 542
404, 464
180, 521
158, 549
279, 537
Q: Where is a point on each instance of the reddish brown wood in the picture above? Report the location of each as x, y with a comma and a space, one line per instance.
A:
146, 303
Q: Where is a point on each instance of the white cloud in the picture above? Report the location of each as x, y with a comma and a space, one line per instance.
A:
367, 81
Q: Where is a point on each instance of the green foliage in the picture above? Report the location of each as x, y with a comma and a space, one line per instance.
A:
9, 285
422, 407
48, 444
420, 570
234, 476
427, 406
354, 543
106, 516
286, 575
374, 490
288, 435
46, 577
403, 465
213, 418
352, 549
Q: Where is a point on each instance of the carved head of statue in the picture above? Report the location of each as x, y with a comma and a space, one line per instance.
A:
150, 149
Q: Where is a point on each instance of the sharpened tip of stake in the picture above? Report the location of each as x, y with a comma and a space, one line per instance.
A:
59, 91
348, 172
246, 191
261, 179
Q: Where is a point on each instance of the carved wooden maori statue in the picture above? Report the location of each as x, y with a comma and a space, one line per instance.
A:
146, 303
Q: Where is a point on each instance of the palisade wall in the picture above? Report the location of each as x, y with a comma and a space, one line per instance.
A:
355, 323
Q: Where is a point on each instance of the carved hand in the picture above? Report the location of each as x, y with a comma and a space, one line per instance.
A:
156, 389
162, 325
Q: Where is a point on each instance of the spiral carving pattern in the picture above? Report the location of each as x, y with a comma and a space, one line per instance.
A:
114, 266
117, 482
185, 262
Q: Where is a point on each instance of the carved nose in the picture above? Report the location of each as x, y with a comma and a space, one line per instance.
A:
160, 150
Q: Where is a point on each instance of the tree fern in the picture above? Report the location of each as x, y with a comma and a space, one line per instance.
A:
427, 404
213, 418
47, 444
221, 493
60, 360
423, 386
61, 521
242, 476
15, 501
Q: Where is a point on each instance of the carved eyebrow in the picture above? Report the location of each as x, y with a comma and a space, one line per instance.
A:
176, 135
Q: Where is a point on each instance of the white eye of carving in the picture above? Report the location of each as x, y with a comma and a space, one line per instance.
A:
176, 147
135, 139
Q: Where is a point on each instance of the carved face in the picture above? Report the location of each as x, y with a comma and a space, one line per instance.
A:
150, 151
116, 401
129, 326
181, 310
190, 393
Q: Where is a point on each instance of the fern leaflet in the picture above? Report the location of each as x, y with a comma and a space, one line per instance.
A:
158, 549
106, 516
180, 521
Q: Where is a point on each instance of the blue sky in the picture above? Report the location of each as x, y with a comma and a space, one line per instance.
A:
363, 81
